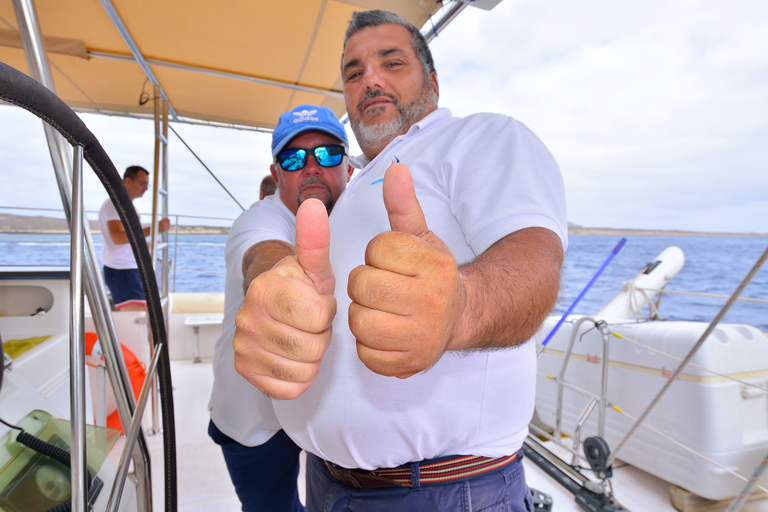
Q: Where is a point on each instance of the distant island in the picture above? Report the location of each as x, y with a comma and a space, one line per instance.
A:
40, 224
50, 225
574, 229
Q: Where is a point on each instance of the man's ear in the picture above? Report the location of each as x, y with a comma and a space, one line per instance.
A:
273, 170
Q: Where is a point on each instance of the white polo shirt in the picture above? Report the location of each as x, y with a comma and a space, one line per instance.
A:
478, 179
117, 256
238, 409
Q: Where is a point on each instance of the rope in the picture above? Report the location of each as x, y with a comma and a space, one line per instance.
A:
726, 307
653, 310
674, 357
686, 448
738, 500
206, 167
708, 295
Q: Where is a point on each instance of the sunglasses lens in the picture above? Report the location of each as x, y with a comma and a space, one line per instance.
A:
292, 159
329, 156
296, 159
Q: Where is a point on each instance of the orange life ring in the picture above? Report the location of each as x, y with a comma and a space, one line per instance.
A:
136, 372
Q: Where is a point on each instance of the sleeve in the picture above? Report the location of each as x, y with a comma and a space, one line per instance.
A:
264, 221
109, 212
504, 180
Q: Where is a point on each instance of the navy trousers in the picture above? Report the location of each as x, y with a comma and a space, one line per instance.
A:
264, 476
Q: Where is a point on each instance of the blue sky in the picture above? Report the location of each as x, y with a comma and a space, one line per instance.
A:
657, 113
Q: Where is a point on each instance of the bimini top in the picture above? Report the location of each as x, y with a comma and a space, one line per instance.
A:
239, 62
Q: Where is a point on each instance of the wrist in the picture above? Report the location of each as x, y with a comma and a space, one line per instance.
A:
461, 334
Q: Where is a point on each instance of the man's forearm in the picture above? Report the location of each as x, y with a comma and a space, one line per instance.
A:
262, 256
509, 290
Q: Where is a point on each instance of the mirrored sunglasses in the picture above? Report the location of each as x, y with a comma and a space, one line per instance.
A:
296, 159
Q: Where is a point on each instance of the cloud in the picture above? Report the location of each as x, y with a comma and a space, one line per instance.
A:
657, 113
651, 107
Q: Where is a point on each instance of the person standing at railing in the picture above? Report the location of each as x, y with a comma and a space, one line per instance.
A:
121, 272
310, 148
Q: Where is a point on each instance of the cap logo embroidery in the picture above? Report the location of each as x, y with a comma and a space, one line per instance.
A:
305, 115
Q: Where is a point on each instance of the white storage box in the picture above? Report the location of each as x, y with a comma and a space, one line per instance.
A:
724, 420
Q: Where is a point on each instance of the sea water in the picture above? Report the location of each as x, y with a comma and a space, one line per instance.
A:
713, 265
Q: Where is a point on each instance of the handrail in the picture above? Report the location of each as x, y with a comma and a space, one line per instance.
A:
172, 245
176, 215
132, 434
76, 344
707, 295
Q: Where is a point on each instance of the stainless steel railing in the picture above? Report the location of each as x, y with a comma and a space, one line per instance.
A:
179, 223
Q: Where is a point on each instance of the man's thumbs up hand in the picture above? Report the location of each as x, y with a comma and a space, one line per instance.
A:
407, 298
284, 325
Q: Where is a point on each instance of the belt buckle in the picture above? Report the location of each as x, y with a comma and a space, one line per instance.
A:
359, 479
346, 477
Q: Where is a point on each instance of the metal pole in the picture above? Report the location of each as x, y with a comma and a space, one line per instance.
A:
443, 22
132, 435
78, 477
155, 181
603, 328
128, 39
156, 419
175, 248
164, 212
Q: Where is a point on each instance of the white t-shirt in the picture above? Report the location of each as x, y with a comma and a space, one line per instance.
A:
478, 179
117, 256
237, 408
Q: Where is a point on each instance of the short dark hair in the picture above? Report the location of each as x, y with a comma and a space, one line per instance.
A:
133, 171
374, 18
268, 186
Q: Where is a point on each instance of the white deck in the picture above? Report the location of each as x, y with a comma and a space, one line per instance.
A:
204, 484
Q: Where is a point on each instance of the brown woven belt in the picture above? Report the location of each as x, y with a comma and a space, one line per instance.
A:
452, 469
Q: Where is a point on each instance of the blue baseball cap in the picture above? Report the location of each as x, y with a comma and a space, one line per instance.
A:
302, 119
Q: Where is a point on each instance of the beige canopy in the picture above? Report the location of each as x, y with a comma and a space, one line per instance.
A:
239, 62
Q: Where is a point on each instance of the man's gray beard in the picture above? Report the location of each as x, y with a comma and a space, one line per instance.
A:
382, 133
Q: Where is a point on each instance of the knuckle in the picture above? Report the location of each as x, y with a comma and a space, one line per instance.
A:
286, 342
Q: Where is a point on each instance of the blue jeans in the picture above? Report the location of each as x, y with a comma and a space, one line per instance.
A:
264, 476
504, 490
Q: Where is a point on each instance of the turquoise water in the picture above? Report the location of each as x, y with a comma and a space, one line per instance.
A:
713, 265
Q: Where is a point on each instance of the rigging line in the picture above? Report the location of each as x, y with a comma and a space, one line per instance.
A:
675, 358
8, 24
72, 82
708, 295
738, 500
206, 167
686, 448
727, 306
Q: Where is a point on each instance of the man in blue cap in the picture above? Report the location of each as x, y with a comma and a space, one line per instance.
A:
310, 148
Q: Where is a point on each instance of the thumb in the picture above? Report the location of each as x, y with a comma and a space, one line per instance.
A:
403, 208
313, 239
